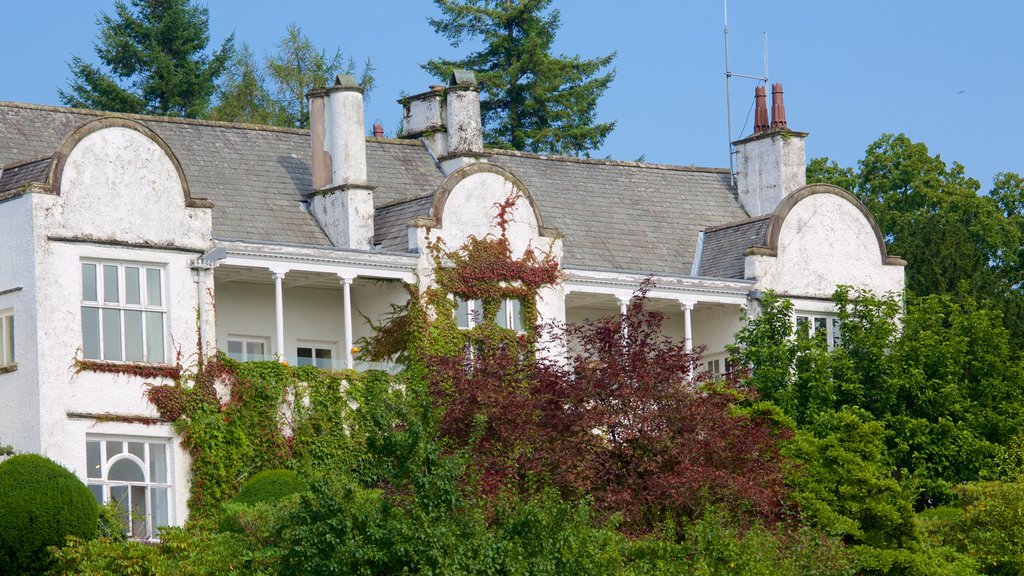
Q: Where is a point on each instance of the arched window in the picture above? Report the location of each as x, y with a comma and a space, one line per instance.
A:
133, 473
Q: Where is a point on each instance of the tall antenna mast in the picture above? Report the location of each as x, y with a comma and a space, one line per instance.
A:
728, 87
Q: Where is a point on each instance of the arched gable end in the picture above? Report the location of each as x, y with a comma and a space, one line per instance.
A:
444, 191
778, 218
60, 158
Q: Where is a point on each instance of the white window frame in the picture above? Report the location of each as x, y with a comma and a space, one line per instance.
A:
832, 328
511, 307
100, 485
7, 349
314, 346
144, 306
245, 341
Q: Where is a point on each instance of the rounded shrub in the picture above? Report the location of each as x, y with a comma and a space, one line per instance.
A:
265, 488
41, 503
269, 486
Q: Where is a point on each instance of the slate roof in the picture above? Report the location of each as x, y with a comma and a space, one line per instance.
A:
615, 215
722, 256
18, 175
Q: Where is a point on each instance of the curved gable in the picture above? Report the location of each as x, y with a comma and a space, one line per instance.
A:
445, 191
784, 208
820, 237
60, 158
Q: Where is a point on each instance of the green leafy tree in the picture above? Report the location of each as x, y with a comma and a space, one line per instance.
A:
153, 61
531, 99
274, 91
943, 378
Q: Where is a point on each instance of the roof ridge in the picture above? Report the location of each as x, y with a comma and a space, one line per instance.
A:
154, 118
400, 202
736, 223
606, 162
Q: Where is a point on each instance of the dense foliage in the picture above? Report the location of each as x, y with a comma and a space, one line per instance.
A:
531, 99
153, 61
41, 504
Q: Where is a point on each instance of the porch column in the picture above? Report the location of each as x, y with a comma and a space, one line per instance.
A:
623, 309
279, 313
688, 330
688, 325
346, 288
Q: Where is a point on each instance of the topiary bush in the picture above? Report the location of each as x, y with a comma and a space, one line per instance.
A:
261, 491
41, 503
269, 486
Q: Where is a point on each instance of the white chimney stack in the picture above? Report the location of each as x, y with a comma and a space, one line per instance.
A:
447, 119
342, 199
770, 163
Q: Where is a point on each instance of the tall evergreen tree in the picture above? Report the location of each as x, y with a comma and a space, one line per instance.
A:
244, 96
530, 99
274, 91
153, 61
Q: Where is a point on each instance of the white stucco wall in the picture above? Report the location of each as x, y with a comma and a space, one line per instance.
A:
825, 241
19, 394
119, 188
119, 185
768, 168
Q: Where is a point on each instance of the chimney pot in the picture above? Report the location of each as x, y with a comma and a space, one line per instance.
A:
760, 111
378, 129
778, 108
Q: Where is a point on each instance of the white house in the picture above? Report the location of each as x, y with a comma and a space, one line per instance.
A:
116, 229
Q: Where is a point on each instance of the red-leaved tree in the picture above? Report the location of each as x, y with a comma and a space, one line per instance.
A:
623, 417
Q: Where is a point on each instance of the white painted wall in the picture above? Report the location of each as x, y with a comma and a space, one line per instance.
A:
19, 394
310, 314
117, 186
825, 241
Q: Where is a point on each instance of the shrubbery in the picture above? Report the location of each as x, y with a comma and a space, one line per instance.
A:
40, 504
269, 486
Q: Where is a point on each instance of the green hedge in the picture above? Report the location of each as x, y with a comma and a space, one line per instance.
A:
41, 504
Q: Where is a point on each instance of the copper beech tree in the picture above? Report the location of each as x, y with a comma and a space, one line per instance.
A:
624, 418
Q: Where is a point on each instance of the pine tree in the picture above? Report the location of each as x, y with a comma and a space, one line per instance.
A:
153, 61
530, 99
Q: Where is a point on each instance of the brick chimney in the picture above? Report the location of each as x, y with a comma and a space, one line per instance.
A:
770, 163
447, 119
341, 199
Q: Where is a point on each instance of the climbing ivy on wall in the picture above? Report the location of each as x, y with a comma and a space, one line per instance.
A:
483, 269
236, 419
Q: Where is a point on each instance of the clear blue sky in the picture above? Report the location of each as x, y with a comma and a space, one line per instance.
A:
945, 73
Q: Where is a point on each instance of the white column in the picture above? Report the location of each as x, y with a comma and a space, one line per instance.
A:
346, 287
688, 325
623, 309
688, 330
279, 313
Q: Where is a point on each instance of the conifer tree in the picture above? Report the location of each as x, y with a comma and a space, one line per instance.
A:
274, 91
531, 99
153, 61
